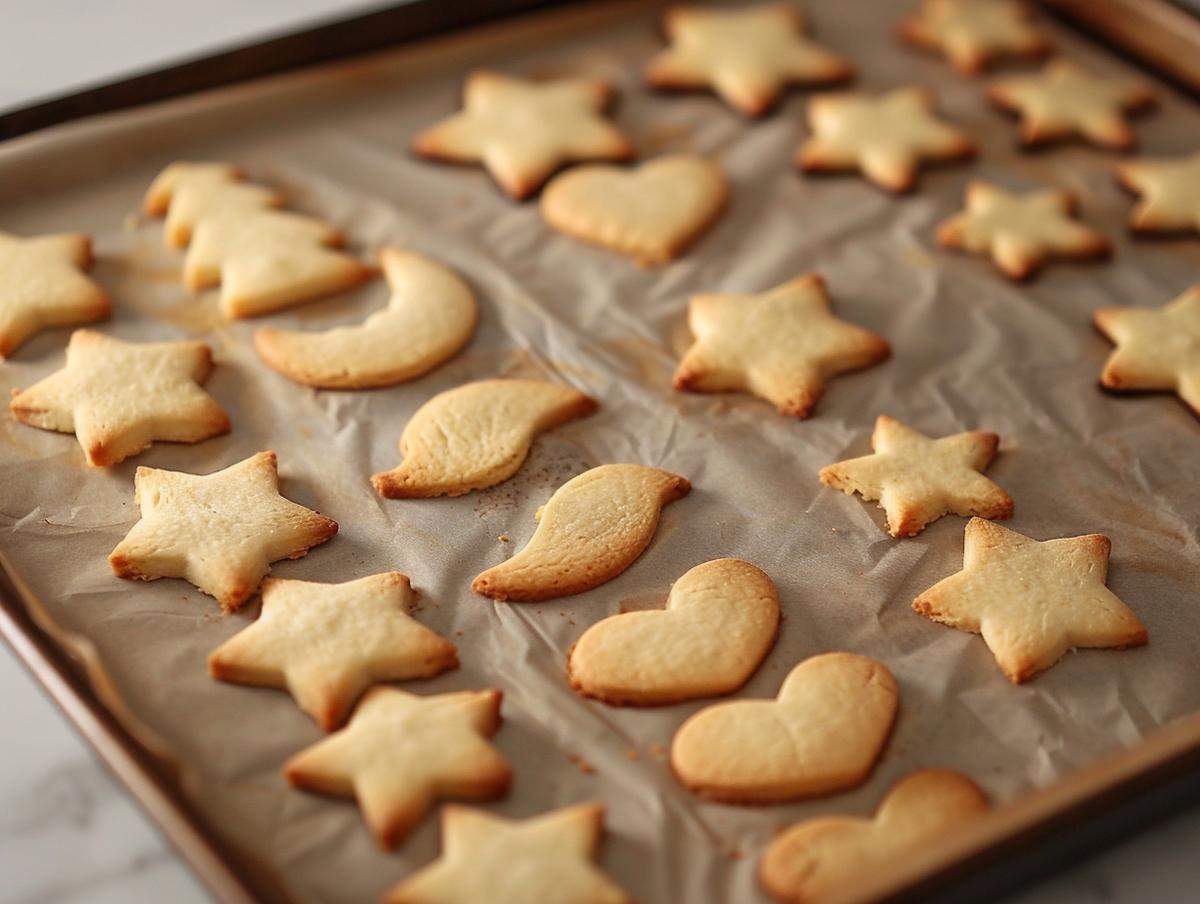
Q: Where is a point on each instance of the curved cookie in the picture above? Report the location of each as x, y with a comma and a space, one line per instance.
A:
972, 34
1168, 190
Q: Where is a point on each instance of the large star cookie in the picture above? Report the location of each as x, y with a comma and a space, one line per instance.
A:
522, 131
781, 345
1032, 601
1169, 190
42, 285
402, 752
218, 531
974, 33
327, 643
748, 56
119, 397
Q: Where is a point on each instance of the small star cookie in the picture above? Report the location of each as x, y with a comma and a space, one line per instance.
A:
119, 397
748, 56
918, 479
781, 345
522, 131
327, 643
42, 285
1032, 601
885, 137
220, 531
1169, 190
975, 33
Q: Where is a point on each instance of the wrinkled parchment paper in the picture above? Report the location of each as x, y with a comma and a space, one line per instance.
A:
970, 351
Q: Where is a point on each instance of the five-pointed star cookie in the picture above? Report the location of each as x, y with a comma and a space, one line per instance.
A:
781, 345
1156, 348
1021, 232
119, 397
327, 643
401, 752
522, 131
974, 33
218, 531
747, 55
547, 859
42, 285
917, 479
1032, 601
885, 137
1169, 190
1064, 100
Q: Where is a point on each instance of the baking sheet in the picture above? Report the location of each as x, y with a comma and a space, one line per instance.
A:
970, 351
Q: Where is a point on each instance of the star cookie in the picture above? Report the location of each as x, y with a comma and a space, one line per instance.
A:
547, 859
119, 397
747, 56
218, 531
522, 131
42, 285
885, 137
400, 753
972, 34
1021, 232
1032, 601
327, 643
781, 345
1169, 190
917, 479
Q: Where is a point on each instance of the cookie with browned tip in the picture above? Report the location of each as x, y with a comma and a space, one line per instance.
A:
974, 34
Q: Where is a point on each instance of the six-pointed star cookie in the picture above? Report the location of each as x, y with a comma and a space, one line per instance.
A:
547, 859
1169, 190
885, 137
42, 285
400, 753
219, 531
780, 346
118, 397
1156, 348
522, 131
918, 479
747, 56
1020, 232
327, 643
1032, 601
974, 33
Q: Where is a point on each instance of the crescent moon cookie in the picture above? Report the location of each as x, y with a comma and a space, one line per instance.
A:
522, 130
1169, 190
885, 137
652, 213
917, 479
218, 531
327, 643
972, 34
819, 859
42, 284
747, 56
822, 734
430, 316
1032, 601
119, 397
781, 345
477, 435
593, 528
400, 753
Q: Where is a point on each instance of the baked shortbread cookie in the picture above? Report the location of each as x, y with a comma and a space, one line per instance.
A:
917, 479
972, 34
430, 316
747, 56
218, 531
42, 284
1032, 601
522, 130
1169, 191
477, 435
719, 623
781, 345
486, 858
885, 137
652, 213
400, 753
819, 859
327, 643
822, 734
591, 530
119, 397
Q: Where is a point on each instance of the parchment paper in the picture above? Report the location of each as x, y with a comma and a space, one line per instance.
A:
970, 351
